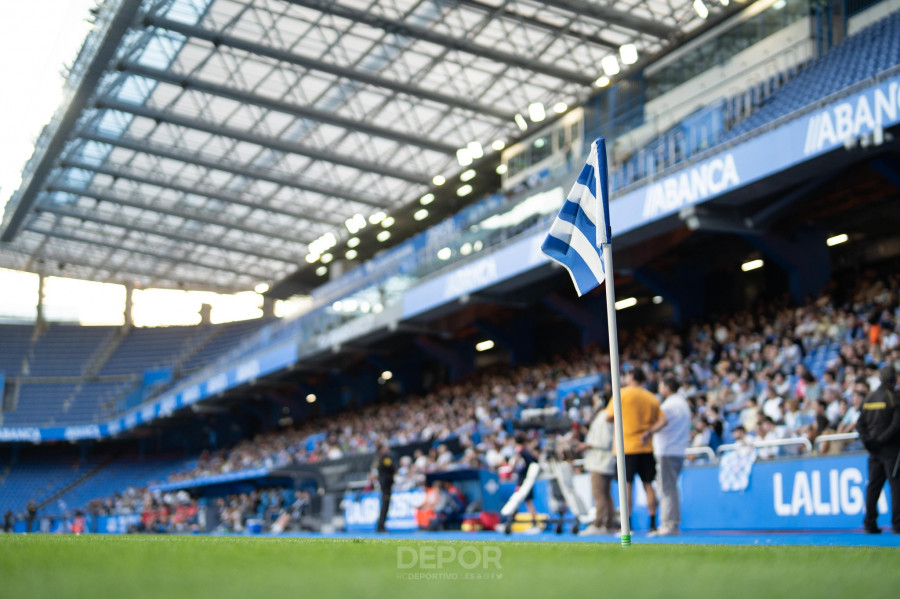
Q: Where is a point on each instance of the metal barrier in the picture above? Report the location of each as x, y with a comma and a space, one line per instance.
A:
773, 443
701, 451
835, 437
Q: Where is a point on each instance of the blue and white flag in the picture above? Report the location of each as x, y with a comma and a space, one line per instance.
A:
582, 225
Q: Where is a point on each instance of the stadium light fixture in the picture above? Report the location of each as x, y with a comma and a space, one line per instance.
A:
377, 309
501, 169
353, 242
521, 123
351, 254
311, 398
350, 305
602, 81
752, 265
700, 9
610, 65
444, 253
468, 175
837, 239
657, 299
476, 151
498, 145
779, 5
387, 375
326, 258
628, 53
484, 345
388, 222
477, 246
724, 2
420, 214
311, 257
560, 107
338, 306
261, 288
628, 302
321, 271
438, 180
383, 236
355, 224
536, 112
365, 307
464, 157
377, 217
464, 190
426, 199
465, 249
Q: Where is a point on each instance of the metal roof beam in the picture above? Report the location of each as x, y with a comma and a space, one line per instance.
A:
218, 267
209, 220
305, 112
138, 146
615, 17
402, 28
84, 215
32, 184
213, 195
266, 142
223, 39
557, 30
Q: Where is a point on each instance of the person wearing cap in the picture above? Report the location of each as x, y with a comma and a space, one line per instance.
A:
879, 431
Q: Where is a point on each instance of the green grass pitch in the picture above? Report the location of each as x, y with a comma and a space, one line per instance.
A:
222, 567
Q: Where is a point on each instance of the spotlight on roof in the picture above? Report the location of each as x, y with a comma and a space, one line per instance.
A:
464, 157
321, 271
351, 254
521, 122
263, 287
498, 145
752, 265
560, 107
421, 214
467, 175
536, 112
837, 239
426, 199
311, 398
628, 302
387, 375
602, 81
628, 53
701, 9
383, 236
657, 299
438, 180
484, 345
475, 150
464, 190
610, 65
377, 217
353, 242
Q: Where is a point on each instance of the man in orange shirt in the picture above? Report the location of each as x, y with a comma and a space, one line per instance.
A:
640, 411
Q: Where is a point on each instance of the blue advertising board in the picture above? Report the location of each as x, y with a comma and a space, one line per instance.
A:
361, 510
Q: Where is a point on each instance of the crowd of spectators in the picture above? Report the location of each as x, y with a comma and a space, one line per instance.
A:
749, 373
747, 376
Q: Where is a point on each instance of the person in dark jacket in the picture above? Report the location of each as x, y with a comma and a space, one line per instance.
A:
879, 431
386, 467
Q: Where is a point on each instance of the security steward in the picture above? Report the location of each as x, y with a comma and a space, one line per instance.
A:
879, 431
386, 468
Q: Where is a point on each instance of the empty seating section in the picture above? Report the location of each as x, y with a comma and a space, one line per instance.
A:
39, 404
14, 343
859, 57
228, 338
64, 350
36, 478
67, 351
149, 348
118, 476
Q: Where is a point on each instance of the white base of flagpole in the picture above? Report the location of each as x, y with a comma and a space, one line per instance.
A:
624, 511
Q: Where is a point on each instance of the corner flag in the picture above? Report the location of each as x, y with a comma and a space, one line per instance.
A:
579, 240
582, 225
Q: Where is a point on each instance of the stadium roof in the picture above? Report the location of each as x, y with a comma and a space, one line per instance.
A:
206, 143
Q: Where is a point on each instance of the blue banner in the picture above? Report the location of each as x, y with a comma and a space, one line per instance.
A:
361, 510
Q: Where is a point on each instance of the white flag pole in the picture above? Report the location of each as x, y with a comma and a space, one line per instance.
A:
624, 512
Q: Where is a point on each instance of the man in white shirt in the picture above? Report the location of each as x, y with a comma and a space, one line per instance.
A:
671, 436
